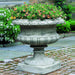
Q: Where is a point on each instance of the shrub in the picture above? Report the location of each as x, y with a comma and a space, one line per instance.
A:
36, 11
67, 8
63, 28
72, 25
8, 31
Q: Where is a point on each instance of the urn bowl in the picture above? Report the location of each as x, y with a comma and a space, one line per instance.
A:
37, 32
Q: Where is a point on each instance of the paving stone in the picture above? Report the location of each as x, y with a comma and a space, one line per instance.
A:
11, 68
64, 70
71, 74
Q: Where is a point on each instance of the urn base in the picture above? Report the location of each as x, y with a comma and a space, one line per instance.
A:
39, 69
39, 63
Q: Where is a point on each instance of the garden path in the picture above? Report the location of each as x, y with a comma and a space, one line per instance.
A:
22, 50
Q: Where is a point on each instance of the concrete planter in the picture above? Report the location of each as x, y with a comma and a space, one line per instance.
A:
38, 34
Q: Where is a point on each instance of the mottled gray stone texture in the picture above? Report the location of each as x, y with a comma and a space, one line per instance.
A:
38, 34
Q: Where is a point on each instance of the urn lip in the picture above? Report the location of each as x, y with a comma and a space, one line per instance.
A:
38, 22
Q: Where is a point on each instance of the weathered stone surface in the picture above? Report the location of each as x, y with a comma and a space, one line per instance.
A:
39, 69
37, 32
64, 51
38, 22
41, 1
11, 3
11, 0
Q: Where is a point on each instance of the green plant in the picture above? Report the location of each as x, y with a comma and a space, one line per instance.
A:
73, 9
63, 28
59, 2
72, 25
8, 31
36, 11
73, 22
67, 8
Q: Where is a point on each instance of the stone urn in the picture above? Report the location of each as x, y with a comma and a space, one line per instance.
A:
38, 34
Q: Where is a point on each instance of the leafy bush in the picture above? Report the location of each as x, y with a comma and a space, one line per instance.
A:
8, 31
66, 8
63, 28
59, 2
72, 25
36, 11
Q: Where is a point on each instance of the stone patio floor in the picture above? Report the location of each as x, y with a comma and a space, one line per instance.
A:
22, 50
7, 53
8, 67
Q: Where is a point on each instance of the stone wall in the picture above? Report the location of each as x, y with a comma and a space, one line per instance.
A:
9, 0
41, 1
11, 3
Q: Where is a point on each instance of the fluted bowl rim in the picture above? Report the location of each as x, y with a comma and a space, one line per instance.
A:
38, 22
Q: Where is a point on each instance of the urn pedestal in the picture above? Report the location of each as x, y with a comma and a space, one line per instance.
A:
38, 34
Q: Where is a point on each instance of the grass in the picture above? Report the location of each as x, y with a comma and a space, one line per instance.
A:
73, 9
1, 59
72, 31
73, 3
73, 22
73, 19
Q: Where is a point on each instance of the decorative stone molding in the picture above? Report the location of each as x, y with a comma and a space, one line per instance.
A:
41, 1
38, 34
38, 22
35, 31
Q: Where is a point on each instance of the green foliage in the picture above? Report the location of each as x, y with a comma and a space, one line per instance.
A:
36, 11
8, 31
59, 2
66, 8
72, 25
73, 9
63, 28
73, 22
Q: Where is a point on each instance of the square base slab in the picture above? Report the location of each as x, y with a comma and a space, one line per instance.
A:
39, 69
